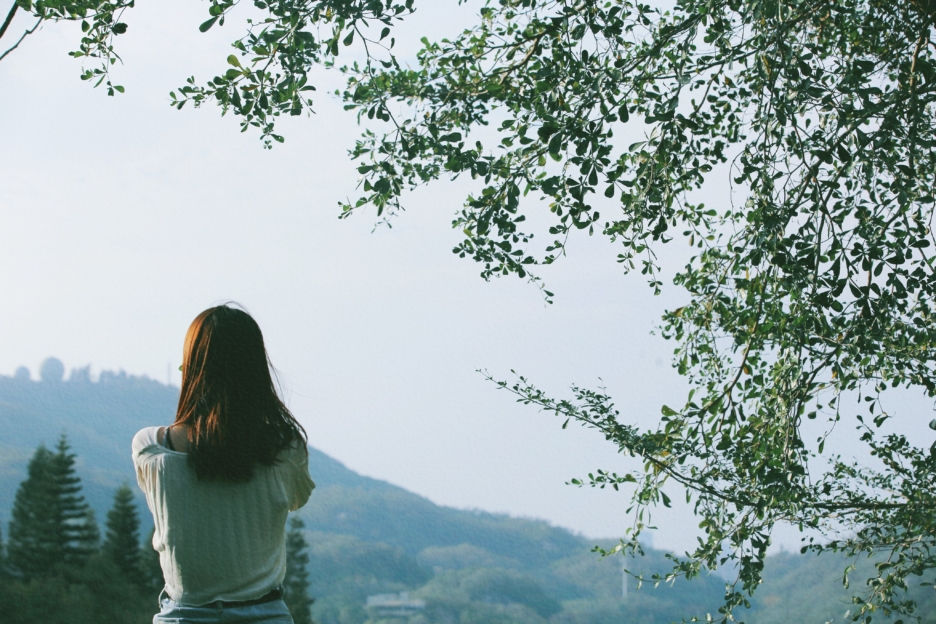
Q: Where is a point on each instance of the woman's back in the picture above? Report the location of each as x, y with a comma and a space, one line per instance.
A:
219, 540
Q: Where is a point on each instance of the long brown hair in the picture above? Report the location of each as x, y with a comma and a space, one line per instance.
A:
229, 401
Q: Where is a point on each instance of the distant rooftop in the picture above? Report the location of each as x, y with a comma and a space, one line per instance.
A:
394, 605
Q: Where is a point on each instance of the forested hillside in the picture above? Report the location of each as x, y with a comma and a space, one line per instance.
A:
101, 418
367, 537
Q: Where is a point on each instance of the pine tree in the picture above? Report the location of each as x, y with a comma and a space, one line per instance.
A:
51, 524
297, 575
150, 568
88, 537
3, 564
33, 547
122, 540
78, 531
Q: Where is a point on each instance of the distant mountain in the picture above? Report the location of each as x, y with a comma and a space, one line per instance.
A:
367, 536
100, 418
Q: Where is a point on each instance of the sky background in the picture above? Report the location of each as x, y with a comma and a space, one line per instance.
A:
122, 218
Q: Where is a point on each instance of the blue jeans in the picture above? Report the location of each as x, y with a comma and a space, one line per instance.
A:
172, 612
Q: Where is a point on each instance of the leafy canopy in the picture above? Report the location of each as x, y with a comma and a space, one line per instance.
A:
815, 286
100, 23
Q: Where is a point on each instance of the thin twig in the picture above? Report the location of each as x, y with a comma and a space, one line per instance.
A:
16, 45
526, 59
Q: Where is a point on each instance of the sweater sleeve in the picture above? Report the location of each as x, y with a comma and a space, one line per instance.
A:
303, 484
141, 442
144, 444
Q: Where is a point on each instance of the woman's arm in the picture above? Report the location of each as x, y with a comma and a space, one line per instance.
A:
298, 459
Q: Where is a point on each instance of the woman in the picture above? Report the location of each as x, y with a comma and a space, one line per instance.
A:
222, 479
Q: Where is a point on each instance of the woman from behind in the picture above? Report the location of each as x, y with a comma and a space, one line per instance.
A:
221, 480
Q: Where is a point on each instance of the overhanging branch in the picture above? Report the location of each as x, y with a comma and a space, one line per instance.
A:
926, 8
16, 45
9, 18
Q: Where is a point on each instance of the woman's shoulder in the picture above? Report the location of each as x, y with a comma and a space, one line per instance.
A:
295, 450
144, 440
296, 457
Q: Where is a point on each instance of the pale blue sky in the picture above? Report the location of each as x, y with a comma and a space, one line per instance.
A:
121, 219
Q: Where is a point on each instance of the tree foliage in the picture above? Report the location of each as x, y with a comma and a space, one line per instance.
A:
277, 51
51, 525
95, 592
33, 545
815, 286
122, 539
3, 557
76, 528
56, 573
297, 573
150, 567
100, 23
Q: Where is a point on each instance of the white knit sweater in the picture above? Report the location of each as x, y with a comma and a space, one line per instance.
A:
219, 541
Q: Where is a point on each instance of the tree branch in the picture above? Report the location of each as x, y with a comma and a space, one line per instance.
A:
9, 18
16, 45
927, 8
526, 59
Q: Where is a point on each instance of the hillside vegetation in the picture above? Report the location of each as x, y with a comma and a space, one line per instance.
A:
368, 537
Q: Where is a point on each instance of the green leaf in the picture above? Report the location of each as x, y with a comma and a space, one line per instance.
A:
555, 145
207, 24
623, 113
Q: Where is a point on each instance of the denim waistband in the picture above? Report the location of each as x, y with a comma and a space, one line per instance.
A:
274, 594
